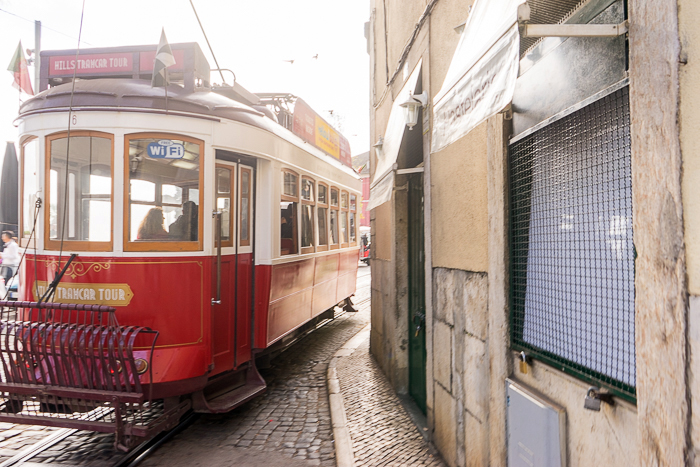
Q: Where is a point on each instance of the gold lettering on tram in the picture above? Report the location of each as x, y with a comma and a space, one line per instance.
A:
88, 294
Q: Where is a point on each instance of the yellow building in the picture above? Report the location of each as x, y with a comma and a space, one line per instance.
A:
536, 232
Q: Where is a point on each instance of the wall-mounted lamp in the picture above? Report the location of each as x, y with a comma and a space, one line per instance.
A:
134, 162
378, 146
412, 106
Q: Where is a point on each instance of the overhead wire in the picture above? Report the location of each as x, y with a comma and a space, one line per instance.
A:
201, 26
406, 49
50, 291
42, 25
37, 206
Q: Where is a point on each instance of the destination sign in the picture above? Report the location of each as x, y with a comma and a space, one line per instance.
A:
92, 63
166, 149
87, 294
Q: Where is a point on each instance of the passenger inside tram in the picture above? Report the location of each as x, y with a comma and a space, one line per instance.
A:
151, 227
186, 226
288, 243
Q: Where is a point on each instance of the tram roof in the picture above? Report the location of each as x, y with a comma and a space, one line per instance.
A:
115, 94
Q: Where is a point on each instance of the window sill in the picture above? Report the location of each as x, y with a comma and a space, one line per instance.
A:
163, 246
73, 245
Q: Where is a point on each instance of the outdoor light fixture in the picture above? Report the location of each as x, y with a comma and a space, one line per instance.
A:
412, 106
378, 146
134, 162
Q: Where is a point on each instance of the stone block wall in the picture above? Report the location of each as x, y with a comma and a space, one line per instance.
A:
460, 366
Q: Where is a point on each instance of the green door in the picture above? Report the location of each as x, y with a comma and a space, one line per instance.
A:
416, 292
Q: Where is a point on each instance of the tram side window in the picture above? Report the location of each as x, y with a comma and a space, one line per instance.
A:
335, 240
344, 226
353, 225
288, 214
30, 185
351, 228
80, 189
322, 213
344, 218
307, 215
163, 180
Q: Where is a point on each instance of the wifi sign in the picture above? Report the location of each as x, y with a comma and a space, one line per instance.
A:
166, 149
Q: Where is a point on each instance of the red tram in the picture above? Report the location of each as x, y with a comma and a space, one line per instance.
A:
207, 234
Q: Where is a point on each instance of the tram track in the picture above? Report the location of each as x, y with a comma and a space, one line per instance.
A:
40, 446
142, 451
129, 459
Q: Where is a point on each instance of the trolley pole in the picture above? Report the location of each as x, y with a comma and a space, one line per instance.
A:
37, 56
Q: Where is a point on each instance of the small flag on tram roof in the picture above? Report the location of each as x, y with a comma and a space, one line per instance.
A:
18, 67
164, 59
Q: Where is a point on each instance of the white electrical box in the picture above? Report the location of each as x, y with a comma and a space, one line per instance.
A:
536, 429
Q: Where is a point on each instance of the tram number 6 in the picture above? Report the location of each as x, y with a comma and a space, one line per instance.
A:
74, 120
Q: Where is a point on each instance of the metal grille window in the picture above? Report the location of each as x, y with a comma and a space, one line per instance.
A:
572, 250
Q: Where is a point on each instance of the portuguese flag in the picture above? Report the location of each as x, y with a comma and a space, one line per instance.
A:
18, 67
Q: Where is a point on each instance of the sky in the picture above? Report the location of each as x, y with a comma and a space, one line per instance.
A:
251, 37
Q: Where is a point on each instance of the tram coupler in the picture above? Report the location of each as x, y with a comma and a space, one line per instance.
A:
349, 306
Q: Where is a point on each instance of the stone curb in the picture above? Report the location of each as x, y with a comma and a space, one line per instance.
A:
344, 455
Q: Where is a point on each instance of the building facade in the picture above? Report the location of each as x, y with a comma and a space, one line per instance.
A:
361, 165
552, 248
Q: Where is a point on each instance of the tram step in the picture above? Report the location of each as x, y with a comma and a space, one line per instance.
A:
229, 400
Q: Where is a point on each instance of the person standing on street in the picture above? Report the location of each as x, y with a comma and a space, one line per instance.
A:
10, 256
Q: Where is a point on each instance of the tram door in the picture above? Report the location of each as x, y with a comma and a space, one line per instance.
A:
231, 323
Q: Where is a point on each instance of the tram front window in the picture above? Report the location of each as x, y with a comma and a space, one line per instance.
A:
80, 190
30, 184
163, 183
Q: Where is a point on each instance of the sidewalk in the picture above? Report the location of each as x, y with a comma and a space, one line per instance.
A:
376, 427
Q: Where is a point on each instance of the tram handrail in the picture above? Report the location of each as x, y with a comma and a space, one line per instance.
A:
217, 229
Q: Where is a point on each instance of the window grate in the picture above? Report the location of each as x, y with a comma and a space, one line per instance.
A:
572, 271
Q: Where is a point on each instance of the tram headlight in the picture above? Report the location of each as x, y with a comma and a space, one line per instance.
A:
141, 365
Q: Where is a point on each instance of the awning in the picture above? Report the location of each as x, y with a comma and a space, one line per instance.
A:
382, 185
481, 78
